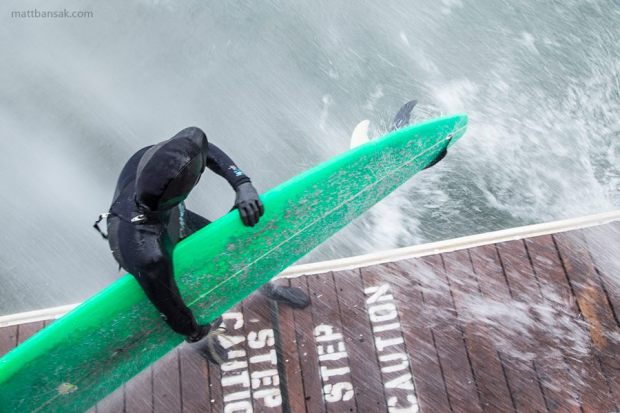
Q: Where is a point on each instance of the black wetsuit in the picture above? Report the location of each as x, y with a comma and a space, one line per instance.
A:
148, 217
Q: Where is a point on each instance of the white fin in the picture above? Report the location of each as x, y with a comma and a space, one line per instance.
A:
360, 134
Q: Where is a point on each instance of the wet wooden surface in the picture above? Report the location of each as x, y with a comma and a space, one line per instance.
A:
522, 326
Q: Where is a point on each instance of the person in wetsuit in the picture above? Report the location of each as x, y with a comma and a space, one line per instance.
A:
148, 218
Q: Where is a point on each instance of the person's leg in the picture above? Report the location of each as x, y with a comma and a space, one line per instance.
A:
113, 224
183, 223
194, 222
145, 255
146, 258
157, 280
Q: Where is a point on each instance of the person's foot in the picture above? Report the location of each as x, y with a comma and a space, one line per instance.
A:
291, 296
206, 343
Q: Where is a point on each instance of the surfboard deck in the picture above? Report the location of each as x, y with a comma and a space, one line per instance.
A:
115, 334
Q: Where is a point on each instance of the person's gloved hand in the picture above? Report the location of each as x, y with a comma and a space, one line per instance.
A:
249, 205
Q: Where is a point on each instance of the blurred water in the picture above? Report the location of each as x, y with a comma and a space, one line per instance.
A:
280, 86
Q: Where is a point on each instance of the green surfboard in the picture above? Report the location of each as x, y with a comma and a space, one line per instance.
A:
85, 355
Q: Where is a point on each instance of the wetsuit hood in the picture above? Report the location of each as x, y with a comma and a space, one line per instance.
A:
169, 170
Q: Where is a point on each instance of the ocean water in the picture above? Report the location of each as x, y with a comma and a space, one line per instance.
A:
280, 86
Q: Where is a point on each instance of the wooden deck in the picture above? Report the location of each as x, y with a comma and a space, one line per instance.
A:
521, 326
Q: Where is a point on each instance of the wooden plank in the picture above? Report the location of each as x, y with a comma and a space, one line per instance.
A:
233, 379
564, 313
113, 403
261, 354
490, 274
289, 358
505, 323
382, 284
167, 384
359, 340
215, 388
27, 330
234, 392
332, 352
195, 394
8, 339
549, 364
549, 272
453, 355
522, 283
139, 393
306, 347
603, 243
595, 308
487, 366
496, 296
551, 327
521, 372
419, 338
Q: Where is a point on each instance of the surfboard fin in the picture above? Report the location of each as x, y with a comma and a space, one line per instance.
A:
402, 118
360, 134
438, 159
403, 115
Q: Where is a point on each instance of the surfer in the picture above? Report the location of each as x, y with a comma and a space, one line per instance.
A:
148, 218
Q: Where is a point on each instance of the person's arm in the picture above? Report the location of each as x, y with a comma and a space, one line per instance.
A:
247, 201
221, 164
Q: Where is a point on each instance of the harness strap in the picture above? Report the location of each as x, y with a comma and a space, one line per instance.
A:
150, 217
96, 224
